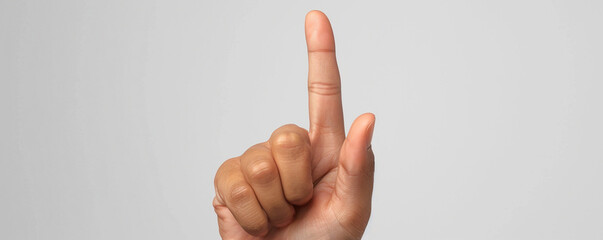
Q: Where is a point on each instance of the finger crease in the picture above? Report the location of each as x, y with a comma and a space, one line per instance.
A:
322, 88
327, 50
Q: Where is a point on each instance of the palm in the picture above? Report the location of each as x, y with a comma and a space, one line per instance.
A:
341, 168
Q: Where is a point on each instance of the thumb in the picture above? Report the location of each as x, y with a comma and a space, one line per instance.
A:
354, 184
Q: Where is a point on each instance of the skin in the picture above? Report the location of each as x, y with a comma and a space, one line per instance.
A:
301, 184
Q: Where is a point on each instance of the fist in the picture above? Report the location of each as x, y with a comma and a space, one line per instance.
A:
301, 184
261, 186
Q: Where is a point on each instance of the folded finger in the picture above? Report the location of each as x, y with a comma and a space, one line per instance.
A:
239, 197
291, 150
262, 174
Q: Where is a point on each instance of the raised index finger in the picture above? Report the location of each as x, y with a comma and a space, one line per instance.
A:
324, 85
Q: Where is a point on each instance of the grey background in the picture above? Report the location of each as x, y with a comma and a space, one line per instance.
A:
116, 114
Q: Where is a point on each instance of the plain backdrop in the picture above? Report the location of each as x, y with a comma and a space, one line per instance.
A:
115, 114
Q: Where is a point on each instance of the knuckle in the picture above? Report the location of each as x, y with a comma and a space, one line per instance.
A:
289, 126
262, 172
257, 149
240, 194
221, 174
223, 167
288, 140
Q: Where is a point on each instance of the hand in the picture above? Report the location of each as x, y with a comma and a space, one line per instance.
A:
300, 184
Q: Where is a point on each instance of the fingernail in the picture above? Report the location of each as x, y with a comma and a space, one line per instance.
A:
371, 129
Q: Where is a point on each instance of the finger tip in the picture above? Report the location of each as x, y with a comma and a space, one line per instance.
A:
319, 34
369, 116
286, 221
316, 20
361, 132
304, 198
315, 14
366, 119
258, 232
